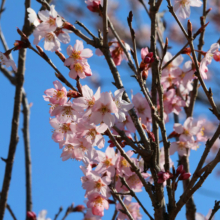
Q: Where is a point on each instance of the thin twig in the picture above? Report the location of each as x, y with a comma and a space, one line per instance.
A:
118, 197
58, 213
69, 210
26, 135
215, 209
105, 23
11, 212
134, 195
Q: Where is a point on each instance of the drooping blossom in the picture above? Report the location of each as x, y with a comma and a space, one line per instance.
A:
81, 69
107, 161
183, 7
90, 216
50, 20
200, 216
57, 95
92, 134
93, 5
32, 17
117, 52
97, 203
122, 105
95, 183
207, 60
51, 41
42, 215
77, 52
103, 109
5, 60
132, 207
88, 99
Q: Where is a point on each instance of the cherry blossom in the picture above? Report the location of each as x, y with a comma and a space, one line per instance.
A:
42, 215
183, 7
107, 161
199, 216
77, 52
57, 95
102, 110
132, 207
32, 17
122, 105
97, 203
5, 60
81, 69
93, 5
50, 20
117, 51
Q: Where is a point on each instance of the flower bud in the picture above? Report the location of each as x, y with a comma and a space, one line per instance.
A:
31, 215
184, 176
179, 170
149, 58
144, 74
79, 208
216, 56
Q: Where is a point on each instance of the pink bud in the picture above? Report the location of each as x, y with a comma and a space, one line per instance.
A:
149, 58
184, 176
179, 170
31, 215
216, 56
79, 208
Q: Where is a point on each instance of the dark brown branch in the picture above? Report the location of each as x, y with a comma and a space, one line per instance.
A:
58, 213
15, 121
215, 209
132, 193
11, 212
105, 23
118, 197
69, 210
27, 152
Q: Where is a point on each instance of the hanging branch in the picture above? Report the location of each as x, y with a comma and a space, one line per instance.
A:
26, 135
15, 121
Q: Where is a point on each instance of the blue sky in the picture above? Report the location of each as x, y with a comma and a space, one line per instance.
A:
56, 183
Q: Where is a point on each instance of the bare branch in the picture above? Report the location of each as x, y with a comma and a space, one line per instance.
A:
215, 209
26, 135
11, 212
134, 195
105, 23
60, 210
15, 121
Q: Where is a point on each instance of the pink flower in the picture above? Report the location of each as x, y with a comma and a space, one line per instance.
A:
208, 59
199, 216
32, 17
77, 52
81, 69
163, 176
93, 5
123, 106
187, 130
5, 60
106, 161
50, 20
133, 208
51, 42
142, 107
75, 148
117, 52
183, 6
102, 110
97, 203
57, 95
93, 133
88, 99
123, 167
95, 183
184, 176
90, 216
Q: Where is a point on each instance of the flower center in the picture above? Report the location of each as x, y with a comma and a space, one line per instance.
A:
99, 184
124, 163
107, 162
140, 109
59, 94
49, 37
52, 21
104, 109
78, 67
76, 55
66, 127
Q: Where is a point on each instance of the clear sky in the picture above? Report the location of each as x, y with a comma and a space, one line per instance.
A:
56, 183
